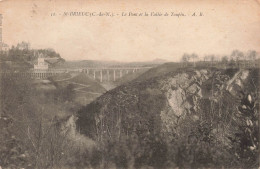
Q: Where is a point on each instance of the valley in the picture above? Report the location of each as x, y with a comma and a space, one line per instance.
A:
202, 113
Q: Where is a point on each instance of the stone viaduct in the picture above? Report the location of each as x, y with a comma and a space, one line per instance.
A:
99, 74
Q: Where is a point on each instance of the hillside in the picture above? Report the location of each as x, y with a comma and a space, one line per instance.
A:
129, 77
93, 86
173, 117
160, 70
84, 87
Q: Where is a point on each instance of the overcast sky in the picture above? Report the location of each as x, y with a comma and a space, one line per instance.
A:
224, 26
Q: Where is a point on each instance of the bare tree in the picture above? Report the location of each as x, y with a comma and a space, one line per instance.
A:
23, 45
194, 57
212, 59
237, 56
224, 61
206, 59
251, 55
185, 59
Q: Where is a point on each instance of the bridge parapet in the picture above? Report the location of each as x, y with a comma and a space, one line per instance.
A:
103, 74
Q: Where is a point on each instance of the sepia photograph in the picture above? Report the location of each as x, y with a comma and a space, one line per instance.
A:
129, 84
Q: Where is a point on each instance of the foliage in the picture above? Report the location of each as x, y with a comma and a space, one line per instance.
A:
22, 53
236, 59
30, 137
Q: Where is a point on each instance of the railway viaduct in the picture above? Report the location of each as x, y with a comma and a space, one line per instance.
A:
100, 74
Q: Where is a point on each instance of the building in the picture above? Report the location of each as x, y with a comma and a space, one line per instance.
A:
41, 64
45, 63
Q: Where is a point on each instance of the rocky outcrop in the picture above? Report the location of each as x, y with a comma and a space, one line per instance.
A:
183, 91
194, 114
180, 94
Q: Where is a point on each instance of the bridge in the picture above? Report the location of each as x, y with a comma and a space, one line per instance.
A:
108, 74
104, 74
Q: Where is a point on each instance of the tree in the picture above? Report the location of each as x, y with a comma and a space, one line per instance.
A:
30, 135
185, 58
251, 55
212, 58
194, 57
246, 140
206, 58
23, 46
224, 61
237, 56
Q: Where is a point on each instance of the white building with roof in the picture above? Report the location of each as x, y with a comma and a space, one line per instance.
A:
41, 64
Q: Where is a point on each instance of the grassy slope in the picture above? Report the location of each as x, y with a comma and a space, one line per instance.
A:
129, 77
159, 71
84, 79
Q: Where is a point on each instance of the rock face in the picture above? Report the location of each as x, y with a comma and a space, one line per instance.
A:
183, 92
189, 109
179, 94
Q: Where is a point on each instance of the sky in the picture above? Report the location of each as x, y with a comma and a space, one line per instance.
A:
224, 26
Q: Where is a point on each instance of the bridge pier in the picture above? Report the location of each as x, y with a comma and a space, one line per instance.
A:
114, 75
101, 75
120, 73
108, 75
